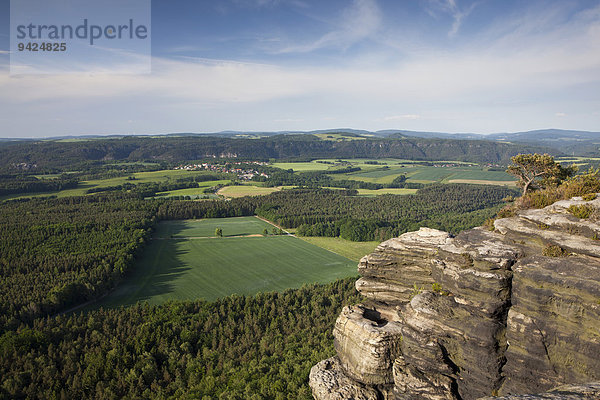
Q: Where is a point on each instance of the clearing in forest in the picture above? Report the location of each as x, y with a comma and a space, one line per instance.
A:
185, 262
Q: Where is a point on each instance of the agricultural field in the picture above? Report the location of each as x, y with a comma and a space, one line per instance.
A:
138, 177
364, 163
386, 170
237, 226
195, 193
583, 163
346, 248
338, 137
397, 191
246, 190
302, 166
429, 174
185, 261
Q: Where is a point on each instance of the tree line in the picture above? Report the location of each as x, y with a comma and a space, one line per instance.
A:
12, 184
81, 155
58, 253
317, 179
259, 347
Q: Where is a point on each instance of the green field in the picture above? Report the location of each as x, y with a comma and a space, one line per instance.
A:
338, 137
210, 268
302, 166
427, 174
246, 190
238, 226
387, 169
140, 177
399, 191
364, 163
194, 192
346, 248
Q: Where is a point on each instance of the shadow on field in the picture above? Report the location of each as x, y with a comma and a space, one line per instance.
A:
152, 275
159, 272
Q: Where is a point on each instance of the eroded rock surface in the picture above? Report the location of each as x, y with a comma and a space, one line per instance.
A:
329, 382
508, 312
367, 345
590, 391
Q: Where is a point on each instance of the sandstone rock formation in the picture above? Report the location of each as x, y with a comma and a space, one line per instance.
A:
505, 312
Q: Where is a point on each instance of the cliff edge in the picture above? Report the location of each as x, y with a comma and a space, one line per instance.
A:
499, 312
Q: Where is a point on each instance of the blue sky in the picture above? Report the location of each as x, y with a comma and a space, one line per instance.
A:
266, 65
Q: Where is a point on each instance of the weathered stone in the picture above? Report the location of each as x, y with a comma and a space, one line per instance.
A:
366, 345
443, 340
553, 326
561, 219
328, 382
589, 391
479, 314
410, 383
475, 269
539, 236
397, 266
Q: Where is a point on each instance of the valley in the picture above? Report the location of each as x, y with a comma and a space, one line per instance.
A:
185, 261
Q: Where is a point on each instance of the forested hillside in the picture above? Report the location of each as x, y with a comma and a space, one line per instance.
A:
323, 212
62, 252
242, 348
52, 155
57, 253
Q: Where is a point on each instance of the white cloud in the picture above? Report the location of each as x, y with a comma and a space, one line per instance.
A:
402, 117
288, 120
535, 74
357, 22
560, 114
451, 8
456, 77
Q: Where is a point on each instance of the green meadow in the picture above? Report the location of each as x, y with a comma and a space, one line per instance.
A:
416, 171
346, 248
184, 261
246, 190
139, 177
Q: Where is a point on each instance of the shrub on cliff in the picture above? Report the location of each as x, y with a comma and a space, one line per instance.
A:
584, 185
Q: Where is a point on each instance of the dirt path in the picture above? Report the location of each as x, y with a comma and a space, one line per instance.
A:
207, 237
275, 225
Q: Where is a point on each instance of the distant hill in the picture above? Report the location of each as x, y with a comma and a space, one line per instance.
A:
429, 135
570, 142
329, 143
50, 154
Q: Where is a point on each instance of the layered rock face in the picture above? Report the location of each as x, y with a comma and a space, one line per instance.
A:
505, 312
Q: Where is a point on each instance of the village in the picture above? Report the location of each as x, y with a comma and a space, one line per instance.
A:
229, 168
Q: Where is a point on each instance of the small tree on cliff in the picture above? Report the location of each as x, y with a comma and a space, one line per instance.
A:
538, 171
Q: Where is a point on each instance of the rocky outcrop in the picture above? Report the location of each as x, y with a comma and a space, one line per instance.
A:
367, 345
510, 311
329, 382
589, 391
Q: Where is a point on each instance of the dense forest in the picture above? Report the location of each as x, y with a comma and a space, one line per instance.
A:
57, 253
259, 347
60, 252
10, 184
316, 179
55, 155
324, 212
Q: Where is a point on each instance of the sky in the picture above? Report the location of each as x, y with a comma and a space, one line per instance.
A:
478, 66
